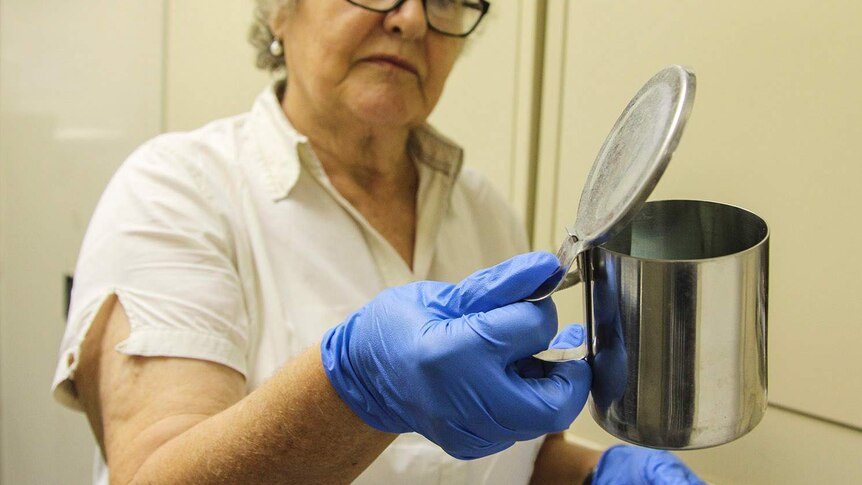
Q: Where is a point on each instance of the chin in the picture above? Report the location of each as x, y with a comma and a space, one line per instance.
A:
391, 105
390, 114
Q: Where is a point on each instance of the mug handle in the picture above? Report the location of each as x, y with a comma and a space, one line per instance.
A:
567, 276
572, 353
563, 355
563, 277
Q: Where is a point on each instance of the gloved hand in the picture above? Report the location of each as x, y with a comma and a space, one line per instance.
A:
632, 465
440, 360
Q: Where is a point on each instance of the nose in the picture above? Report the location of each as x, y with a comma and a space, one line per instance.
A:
408, 20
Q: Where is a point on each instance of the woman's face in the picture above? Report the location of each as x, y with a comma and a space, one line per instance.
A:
384, 69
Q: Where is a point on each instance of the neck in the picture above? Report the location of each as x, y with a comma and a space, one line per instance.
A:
368, 164
348, 148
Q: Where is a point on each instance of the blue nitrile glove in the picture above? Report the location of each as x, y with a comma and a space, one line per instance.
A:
570, 337
632, 465
440, 360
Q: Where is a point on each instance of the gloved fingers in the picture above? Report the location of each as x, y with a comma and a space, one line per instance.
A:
500, 285
555, 400
610, 367
665, 468
469, 446
530, 367
570, 337
642, 466
693, 479
481, 452
516, 331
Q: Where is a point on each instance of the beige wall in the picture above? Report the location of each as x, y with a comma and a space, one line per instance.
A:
209, 66
79, 89
784, 449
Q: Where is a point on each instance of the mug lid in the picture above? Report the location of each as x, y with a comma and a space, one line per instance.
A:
633, 156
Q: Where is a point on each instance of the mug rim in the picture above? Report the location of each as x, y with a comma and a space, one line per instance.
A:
753, 247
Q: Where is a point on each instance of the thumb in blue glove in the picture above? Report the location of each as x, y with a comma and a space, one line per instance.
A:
632, 465
440, 360
570, 337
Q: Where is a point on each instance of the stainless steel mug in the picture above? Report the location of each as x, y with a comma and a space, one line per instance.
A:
676, 310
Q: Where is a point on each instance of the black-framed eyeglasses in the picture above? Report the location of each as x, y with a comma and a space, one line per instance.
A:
456, 18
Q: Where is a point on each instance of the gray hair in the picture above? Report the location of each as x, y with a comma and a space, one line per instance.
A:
260, 35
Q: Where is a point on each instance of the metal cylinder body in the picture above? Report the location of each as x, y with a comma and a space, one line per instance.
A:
676, 309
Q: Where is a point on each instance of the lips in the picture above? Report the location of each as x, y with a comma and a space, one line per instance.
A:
394, 61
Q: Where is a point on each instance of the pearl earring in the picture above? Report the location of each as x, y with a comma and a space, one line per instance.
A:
276, 48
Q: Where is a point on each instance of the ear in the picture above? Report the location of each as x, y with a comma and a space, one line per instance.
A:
278, 17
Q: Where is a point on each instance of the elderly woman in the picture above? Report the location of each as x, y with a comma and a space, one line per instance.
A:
204, 342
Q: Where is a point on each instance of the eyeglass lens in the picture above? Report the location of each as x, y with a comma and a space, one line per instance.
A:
455, 17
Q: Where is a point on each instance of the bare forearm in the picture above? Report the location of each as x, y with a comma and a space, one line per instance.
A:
563, 462
294, 429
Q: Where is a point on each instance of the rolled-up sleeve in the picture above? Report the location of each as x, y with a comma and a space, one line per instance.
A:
161, 241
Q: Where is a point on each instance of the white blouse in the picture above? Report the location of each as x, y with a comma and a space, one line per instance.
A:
230, 244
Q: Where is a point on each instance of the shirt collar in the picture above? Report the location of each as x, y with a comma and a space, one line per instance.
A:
280, 144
